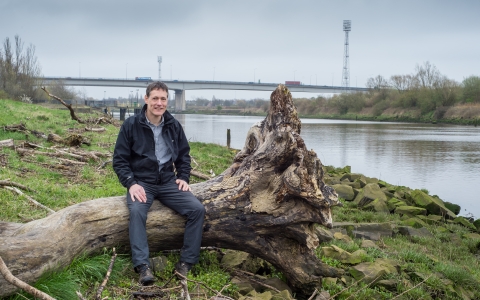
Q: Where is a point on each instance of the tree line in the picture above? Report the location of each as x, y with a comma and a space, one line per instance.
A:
425, 90
20, 73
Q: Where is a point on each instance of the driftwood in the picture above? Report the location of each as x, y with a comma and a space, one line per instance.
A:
266, 203
11, 183
99, 129
69, 106
7, 143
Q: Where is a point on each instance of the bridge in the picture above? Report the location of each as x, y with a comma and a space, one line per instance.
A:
180, 86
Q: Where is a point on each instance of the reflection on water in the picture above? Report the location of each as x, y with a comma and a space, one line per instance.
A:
444, 159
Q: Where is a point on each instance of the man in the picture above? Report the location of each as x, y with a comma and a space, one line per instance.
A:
148, 147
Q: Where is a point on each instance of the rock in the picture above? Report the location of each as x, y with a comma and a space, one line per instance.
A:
377, 205
471, 235
414, 222
370, 231
371, 180
388, 284
410, 210
356, 184
324, 295
432, 204
410, 231
342, 237
464, 222
324, 235
242, 260
158, 263
369, 193
276, 283
361, 181
283, 295
244, 285
344, 191
455, 208
351, 177
330, 280
234, 259
257, 296
393, 203
431, 219
342, 255
370, 271
368, 244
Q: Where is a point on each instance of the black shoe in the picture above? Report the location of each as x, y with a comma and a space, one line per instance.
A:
183, 268
146, 275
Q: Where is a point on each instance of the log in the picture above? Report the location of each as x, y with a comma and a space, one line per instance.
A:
7, 143
266, 203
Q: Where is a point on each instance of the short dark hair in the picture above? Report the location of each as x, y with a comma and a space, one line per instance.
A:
156, 85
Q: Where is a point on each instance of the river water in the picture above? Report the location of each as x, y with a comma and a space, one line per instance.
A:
444, 159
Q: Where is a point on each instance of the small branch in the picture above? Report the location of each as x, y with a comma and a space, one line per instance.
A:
104, 164
100, 129
69, 106
18, 185
107, 276
199, 282
20, 284
413, 287
183, 281
80, 296
243, 273
35, 202
314, 294
200, 175
7, 143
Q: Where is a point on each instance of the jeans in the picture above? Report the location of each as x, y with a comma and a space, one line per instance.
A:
182, 202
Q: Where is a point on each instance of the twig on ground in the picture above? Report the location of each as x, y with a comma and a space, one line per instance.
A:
11, 183
35, 202
80, 296
373, 281
412, 287
107, 276
256, 281
346, 288
21, 284
183, 281
200, 175
313, 295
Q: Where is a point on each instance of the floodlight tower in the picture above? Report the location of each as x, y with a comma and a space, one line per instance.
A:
159, 67
347, 26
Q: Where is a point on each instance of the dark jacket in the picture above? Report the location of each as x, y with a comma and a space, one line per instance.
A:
134, 156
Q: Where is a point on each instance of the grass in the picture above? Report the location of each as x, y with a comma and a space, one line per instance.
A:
445, 257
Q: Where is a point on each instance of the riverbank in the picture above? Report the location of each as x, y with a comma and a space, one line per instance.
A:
460, 115
441, 264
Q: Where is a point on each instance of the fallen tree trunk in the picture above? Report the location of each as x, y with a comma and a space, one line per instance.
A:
266, 203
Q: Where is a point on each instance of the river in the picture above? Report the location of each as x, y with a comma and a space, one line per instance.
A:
444, 159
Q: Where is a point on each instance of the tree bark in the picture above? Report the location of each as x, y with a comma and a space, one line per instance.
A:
266, 203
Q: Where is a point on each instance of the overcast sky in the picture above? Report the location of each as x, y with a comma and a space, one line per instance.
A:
267, 40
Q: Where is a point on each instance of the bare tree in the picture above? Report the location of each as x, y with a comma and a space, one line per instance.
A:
427, 75
378, 82
19, 69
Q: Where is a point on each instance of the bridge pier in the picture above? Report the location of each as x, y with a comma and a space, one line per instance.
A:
180, 104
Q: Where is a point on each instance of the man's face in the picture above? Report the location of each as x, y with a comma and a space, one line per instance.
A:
156, 103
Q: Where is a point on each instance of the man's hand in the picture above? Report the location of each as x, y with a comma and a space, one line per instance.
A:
137, 192
183, 185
